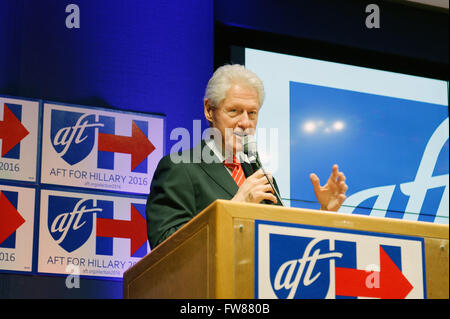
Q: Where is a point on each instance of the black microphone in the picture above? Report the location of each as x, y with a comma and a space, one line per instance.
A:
250, 149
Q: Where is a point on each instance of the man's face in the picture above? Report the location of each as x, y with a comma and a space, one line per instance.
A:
235, 116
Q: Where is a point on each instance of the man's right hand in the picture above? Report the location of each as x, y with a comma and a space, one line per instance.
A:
255, 189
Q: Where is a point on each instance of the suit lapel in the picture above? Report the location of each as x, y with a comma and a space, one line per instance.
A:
218, 172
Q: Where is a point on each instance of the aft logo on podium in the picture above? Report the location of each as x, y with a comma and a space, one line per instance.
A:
104, 234
100, 149
296, 262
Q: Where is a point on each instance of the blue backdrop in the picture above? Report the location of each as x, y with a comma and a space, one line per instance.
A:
381, 142
151, 56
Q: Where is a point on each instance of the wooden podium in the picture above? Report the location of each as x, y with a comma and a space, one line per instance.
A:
213, 255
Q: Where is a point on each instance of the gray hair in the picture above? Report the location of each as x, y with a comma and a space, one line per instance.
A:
228, 75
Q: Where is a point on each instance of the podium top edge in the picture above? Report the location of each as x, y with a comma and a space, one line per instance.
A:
329, 219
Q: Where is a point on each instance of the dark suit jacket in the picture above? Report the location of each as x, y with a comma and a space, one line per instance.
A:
180, 191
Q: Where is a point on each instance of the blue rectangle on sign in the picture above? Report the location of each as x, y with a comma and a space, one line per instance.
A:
395, 152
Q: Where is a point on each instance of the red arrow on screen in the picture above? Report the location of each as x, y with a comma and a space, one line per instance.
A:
392, 283
11, 130
9, 217
138, 145
134, 229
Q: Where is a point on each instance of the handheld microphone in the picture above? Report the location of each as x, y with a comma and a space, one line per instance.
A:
250, 149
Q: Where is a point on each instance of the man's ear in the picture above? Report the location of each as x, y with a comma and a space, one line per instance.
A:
209, 111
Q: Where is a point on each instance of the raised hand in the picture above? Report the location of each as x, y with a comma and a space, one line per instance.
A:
332, 194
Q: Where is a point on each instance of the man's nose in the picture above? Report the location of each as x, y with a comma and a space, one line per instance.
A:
244, 121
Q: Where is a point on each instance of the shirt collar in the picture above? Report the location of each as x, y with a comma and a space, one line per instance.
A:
241, 157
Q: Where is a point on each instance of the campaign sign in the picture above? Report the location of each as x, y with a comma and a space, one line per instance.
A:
298, 261
92, 148
102, 235
18, 139
16, 228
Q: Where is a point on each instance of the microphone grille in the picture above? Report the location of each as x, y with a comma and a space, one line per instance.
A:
249, 145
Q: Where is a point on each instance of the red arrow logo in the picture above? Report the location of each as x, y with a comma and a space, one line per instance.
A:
10, 218
134, 229
392, 283
11, 130
138, 145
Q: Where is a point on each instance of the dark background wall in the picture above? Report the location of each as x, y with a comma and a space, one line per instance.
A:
152, 56
405, 29
156, 56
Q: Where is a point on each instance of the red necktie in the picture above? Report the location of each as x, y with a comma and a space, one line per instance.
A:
237, 171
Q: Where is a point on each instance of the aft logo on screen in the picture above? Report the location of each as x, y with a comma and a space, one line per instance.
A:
331, 266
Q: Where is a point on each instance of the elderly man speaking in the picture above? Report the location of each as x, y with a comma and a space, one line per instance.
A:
180, 190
